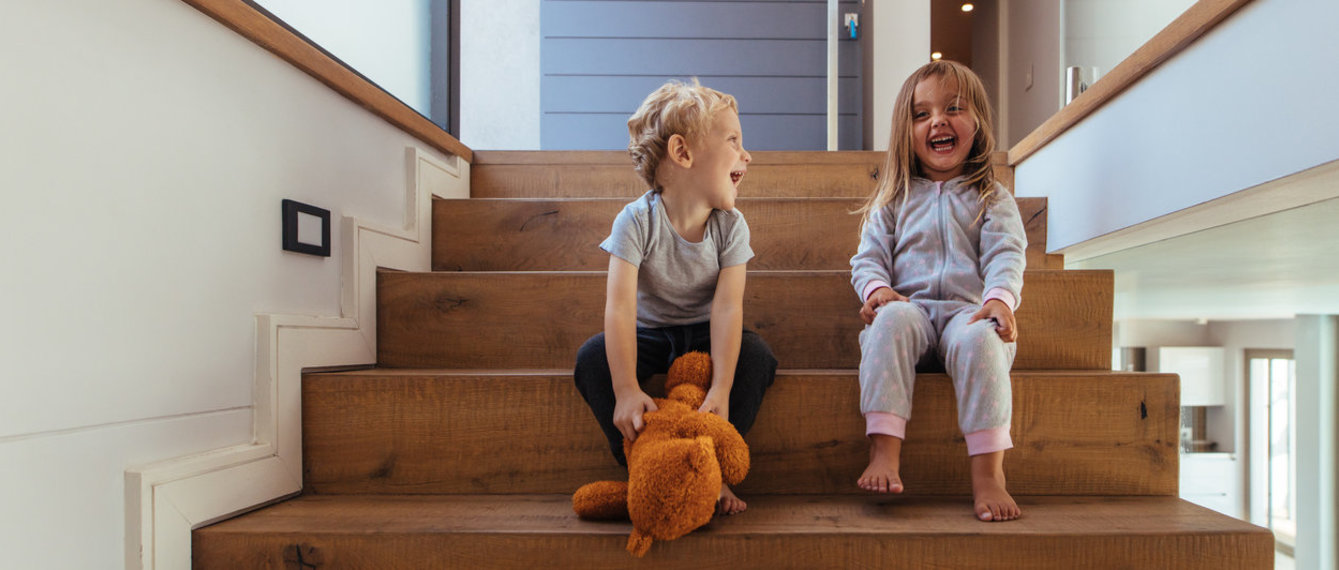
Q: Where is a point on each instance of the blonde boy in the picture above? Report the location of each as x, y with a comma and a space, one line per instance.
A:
676, 271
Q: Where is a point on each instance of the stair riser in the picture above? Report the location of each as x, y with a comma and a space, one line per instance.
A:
424, 434
611, 174
564, 235
811, 320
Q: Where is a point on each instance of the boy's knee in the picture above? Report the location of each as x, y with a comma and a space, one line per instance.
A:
591, 350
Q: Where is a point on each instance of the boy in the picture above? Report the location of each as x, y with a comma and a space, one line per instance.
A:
676, 271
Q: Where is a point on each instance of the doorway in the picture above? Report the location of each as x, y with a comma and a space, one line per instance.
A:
1272, 381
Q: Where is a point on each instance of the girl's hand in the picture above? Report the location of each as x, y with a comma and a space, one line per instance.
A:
996, 310
628, 413
880, 297
717, 402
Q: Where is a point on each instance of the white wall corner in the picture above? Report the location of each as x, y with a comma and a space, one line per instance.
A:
165, 501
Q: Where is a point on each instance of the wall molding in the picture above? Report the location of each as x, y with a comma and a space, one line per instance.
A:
165, 501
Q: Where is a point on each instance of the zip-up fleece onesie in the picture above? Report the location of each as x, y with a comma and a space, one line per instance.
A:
933, 249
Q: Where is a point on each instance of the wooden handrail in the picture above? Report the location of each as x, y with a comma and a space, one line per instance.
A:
269, 34
1183, 31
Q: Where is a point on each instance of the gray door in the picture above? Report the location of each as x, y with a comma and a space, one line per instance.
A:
600, 58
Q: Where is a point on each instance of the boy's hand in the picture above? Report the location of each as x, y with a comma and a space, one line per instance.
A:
628, 413
717, 402
996, 310
880, 297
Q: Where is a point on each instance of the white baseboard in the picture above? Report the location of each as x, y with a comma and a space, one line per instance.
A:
165, 501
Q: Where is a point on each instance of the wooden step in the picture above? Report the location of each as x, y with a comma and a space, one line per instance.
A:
540, 531
810, 319
564, 234
442, 431
603, 174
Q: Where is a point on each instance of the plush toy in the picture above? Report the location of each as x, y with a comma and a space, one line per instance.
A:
676, 465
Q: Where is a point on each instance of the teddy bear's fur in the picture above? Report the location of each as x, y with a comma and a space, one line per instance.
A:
676, 465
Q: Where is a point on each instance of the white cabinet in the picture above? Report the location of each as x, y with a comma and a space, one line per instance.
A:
1201, 370
1212, 480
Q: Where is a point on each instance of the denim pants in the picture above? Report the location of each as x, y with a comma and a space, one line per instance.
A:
657, 348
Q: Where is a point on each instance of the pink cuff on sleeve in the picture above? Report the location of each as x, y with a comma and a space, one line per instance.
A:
986, 440
884, 423
1003, 295
874, 285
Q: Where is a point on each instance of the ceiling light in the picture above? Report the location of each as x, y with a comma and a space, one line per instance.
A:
968, 7
936, 56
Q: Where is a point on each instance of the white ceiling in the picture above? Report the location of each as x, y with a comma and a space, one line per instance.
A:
1272, 266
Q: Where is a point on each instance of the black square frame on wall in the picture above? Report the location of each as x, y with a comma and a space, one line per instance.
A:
291, 209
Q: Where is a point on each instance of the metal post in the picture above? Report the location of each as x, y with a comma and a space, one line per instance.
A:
834, 23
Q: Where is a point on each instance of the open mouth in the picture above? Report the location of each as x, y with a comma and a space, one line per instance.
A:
945, 143
736, 176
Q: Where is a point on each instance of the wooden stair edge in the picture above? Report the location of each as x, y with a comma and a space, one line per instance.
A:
522, 531
619, 157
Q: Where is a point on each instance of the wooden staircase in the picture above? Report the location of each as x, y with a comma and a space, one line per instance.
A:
462, 448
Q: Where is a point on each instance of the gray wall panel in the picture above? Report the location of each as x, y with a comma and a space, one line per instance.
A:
609, 94
620, 56
761, 132
600, 58
685, 20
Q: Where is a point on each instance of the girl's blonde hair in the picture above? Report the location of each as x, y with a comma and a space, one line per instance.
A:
676, 108
901, 163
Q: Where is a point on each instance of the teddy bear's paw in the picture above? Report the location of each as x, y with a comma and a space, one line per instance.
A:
602, 501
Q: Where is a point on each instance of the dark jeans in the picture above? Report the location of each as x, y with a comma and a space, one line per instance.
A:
656, 349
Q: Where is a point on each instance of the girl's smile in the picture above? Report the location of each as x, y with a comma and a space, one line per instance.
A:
942, 128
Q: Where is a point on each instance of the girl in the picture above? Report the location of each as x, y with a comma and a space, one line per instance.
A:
940, 271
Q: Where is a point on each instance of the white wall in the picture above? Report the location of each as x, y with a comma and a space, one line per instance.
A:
1101, 33
1033, 83
499, 74
146, 151
1209, 122
385, 41
899, 44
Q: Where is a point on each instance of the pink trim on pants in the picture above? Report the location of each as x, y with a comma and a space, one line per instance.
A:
989, 441
884, 423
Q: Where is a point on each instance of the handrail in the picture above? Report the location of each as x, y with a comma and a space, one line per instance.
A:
269, 34
1178, 35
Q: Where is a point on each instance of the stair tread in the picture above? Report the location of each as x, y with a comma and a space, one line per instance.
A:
910, 517
540, 531
621, 158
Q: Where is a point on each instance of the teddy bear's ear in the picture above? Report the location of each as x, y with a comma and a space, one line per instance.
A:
692, 368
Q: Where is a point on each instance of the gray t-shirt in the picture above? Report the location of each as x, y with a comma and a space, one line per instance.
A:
676, 278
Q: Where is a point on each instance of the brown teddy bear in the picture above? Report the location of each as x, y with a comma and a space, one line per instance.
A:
676, 465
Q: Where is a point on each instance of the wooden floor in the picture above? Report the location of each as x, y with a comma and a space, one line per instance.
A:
791, 531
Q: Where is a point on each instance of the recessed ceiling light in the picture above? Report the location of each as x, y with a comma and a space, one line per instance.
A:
936, 56
968, 7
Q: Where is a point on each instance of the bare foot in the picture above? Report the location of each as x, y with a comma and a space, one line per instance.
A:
885, 456
993, 502
729, 503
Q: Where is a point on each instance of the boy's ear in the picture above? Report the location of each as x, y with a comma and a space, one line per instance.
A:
676, 149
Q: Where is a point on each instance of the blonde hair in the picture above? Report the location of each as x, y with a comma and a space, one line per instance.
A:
901, 164
676, 108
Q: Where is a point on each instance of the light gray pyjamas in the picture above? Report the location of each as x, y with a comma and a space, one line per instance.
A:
933, 249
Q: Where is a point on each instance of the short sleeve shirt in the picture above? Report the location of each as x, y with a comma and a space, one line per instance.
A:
676, 278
